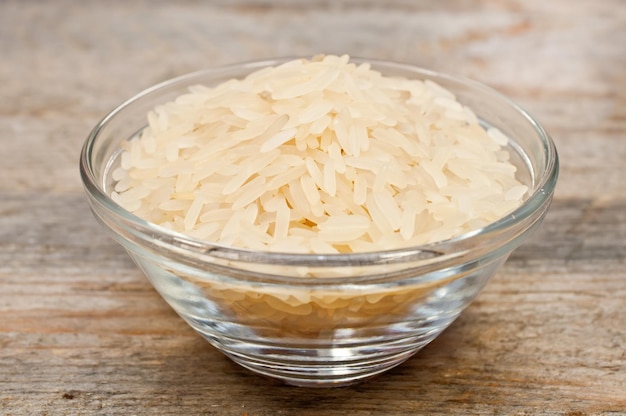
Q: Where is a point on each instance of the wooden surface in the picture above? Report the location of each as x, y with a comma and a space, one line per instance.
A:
82, 331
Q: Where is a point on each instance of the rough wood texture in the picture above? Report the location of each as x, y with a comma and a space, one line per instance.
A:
83, 332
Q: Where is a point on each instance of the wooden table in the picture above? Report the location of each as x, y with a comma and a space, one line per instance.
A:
83, 332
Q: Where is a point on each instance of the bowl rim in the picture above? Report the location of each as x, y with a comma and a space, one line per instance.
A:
541, 196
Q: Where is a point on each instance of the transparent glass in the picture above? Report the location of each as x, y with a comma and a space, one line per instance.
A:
370, 311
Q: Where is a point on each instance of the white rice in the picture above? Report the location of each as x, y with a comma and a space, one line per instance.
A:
318, 156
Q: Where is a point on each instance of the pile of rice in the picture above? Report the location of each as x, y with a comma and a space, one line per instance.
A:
317, 156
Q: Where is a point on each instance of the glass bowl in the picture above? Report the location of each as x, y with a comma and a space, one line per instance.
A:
370, 311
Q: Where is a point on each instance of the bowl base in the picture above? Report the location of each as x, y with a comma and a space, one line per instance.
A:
316, 377
325, 366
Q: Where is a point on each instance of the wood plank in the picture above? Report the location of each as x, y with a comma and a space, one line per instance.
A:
83, 332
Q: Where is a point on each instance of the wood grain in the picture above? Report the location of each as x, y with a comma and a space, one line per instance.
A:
83, 332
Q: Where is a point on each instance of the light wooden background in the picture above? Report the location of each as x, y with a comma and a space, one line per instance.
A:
81, 330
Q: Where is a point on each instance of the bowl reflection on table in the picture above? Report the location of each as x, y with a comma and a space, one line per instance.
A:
321, 320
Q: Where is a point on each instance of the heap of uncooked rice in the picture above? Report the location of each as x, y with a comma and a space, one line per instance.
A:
317, 156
